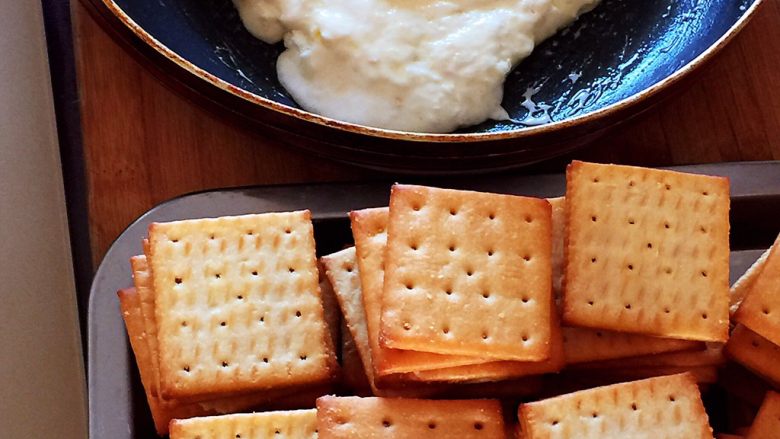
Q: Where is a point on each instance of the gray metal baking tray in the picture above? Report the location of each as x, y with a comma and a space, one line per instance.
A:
117, 405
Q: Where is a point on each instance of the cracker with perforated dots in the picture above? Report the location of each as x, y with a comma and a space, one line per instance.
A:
354, 417
668, 407
468, 273
164, 410
760, 309
238, 305
369, 228
755, 353
342, 269
647, 251
501, 369
293, 424
588, 344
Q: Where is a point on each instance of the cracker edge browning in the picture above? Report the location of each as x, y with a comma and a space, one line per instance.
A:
569, 319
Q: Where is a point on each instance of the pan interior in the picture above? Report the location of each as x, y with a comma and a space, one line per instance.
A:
618, 50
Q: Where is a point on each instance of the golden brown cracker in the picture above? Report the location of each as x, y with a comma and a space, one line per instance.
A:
760, 310
163, 411
369, 228
468, 273
647, 251
296, 424
330, 306
582, 345
354, 417
238, 305
668, 406
755, 353
767, 422
502, 370
142, 279
588, 344
341, 268
343, 271
711, 355
741, 287
558, 218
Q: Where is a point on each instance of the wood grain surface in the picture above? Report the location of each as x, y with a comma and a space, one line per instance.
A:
143, 144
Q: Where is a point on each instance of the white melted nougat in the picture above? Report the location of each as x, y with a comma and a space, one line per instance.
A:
410, 65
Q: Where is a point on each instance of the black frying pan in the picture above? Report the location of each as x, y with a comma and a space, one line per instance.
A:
612, 63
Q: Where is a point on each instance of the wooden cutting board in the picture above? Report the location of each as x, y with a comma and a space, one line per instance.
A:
143, 144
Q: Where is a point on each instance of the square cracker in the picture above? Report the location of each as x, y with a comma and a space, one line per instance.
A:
760, 310
294, 424
237, 304
164, 410
647, 251
468, 273
354, 417
142, 279
767, 422
369, 228
588, 344
342, 269
755, 353
663, 407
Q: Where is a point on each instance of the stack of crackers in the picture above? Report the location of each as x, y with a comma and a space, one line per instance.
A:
452, 300
427, 304
646, 271
608, 283
227, 315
